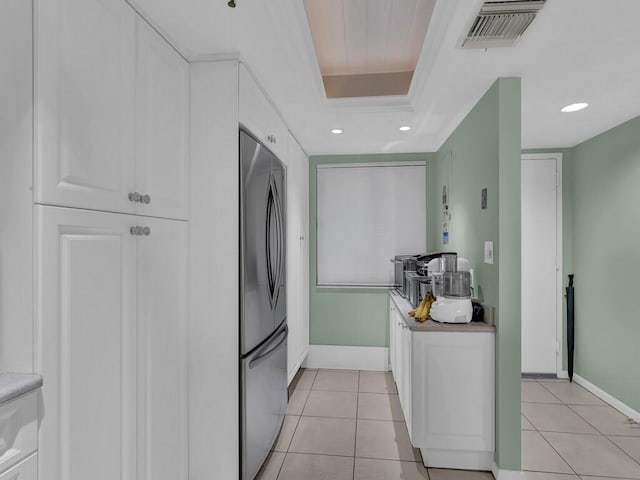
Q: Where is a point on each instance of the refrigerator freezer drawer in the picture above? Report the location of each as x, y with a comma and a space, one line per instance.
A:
264, 400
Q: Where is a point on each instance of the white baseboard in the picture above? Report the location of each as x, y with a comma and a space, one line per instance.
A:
499, 474
347, 357
611, 400
563, 374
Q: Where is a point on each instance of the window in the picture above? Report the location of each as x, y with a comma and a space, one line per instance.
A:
366, 214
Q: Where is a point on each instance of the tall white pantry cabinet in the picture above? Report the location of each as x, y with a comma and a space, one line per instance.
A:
224, 95
94, 148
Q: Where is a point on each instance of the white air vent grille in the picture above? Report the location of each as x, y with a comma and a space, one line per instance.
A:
501, 23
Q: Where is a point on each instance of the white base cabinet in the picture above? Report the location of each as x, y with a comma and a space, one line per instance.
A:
445, 383
112, 320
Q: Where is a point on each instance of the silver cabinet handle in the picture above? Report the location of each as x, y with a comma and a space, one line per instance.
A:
146, 199
138, 231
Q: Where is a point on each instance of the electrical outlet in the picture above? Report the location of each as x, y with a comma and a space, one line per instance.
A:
488, 253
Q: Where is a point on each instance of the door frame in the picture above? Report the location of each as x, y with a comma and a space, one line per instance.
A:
557, 156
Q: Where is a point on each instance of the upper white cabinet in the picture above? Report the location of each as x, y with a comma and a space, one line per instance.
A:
260, 117
112, 101
85, 103
162, 126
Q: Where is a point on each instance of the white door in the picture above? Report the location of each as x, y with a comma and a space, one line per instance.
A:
162, 123
540, 289
86, 266
162, 350
84, 90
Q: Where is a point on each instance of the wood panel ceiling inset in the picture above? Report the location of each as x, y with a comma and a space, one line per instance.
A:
366, 38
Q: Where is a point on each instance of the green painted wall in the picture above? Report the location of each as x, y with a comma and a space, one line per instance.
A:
606, 260
567, 227
346, 316
484, 152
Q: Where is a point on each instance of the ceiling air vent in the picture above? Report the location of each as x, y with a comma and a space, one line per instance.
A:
501, 23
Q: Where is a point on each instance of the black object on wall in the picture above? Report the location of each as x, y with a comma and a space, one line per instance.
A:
570, 326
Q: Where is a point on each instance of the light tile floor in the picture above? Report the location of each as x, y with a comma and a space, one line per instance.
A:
570, 434
348, 425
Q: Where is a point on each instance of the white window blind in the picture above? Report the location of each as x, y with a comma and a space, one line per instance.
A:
366, 214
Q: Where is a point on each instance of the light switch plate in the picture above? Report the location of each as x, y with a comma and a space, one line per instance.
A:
488, 252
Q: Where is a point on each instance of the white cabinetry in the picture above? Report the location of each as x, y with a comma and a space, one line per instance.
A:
259, 116
111, 111
445, 380
112, 318
297, 257
85, 110
162, 125
224, 95
25, 470
111, 105
162, 350
19, 437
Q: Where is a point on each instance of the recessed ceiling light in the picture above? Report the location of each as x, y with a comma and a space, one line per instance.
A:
574, 107
405, 128
337, 131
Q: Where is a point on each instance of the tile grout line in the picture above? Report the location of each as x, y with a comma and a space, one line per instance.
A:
555, 396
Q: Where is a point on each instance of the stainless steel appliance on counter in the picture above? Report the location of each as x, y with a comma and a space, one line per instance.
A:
263, 311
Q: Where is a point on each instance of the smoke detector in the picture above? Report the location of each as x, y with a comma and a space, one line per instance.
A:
501, 23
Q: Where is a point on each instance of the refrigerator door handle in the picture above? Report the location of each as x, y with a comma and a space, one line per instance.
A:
271, 220
264, 354
280, 226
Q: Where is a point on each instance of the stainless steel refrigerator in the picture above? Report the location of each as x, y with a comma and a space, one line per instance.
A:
263, 310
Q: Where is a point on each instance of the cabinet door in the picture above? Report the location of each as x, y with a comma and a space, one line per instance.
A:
405, 388
304, 252
84, 90
392, 337
162, 125
293, 262
86, 316
162, 350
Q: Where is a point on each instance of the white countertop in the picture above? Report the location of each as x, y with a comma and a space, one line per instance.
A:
13, 385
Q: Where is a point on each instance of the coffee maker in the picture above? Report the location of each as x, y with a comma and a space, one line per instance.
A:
451, 286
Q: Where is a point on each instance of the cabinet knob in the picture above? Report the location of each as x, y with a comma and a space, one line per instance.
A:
140, 198
138, 231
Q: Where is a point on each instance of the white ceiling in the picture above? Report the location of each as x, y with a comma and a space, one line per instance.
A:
368, 36
576, 50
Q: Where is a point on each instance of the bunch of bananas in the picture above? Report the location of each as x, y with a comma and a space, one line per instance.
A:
422, 312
